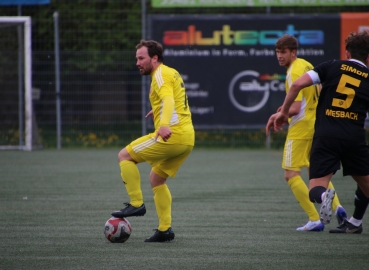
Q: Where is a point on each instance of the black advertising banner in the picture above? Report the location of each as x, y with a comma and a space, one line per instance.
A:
228, 63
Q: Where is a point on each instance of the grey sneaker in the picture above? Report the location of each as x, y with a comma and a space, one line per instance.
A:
130, 211
326, 206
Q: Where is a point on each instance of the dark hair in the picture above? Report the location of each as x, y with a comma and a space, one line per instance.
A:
287, 41
153, 48
358, 45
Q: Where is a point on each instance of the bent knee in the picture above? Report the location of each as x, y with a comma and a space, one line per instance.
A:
290, 174
124, 155
315, 194
157, 179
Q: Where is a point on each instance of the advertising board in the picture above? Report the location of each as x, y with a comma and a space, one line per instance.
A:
228, 62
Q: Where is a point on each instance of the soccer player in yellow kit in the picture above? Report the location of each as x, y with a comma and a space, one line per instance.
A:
300, 133
166, 148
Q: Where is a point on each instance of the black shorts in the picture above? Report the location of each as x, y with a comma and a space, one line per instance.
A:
327, 153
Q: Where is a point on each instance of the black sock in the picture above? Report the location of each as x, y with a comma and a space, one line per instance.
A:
361, 203
315, 194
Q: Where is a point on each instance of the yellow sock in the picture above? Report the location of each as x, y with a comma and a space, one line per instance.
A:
163, 203
336, 201
301, 192
132, 182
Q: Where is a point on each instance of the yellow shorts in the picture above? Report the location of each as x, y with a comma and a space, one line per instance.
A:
296, 154
165, 159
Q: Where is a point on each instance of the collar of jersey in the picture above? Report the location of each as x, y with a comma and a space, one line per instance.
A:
359, 62
152, 73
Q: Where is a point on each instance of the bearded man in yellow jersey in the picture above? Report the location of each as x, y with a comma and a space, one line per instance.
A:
300, 133
166, 148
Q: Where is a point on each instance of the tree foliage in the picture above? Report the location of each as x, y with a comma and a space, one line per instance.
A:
94, 35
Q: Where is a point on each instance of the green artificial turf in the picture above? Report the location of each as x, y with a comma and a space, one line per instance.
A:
232, 209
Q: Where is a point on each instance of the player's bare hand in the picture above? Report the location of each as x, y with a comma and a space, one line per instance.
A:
280, 120
163, 132
276, 121
270, 124
148, 114
152, 115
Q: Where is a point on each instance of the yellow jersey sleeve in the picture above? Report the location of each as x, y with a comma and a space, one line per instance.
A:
167, 82
168, 108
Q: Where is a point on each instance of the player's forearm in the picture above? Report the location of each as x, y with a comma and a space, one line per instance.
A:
300, 83
294, 109
290, 98
167, 111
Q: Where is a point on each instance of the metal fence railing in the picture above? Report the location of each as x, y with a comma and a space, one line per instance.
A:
100, 87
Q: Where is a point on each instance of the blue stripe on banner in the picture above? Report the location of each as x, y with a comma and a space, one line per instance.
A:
23, 2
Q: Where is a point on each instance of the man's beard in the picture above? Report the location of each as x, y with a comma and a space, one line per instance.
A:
147, 71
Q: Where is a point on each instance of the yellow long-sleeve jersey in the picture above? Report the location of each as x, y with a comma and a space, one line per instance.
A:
167, 82
301, 126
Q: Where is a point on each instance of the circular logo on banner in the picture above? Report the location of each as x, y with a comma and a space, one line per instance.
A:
249, 91
246, 93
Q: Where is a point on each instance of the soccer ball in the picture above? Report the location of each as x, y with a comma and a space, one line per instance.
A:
117, 230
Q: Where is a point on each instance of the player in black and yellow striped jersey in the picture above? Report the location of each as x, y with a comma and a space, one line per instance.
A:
339, 136
300, 132
166, 148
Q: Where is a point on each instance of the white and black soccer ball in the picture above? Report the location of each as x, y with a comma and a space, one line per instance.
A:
117, 230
